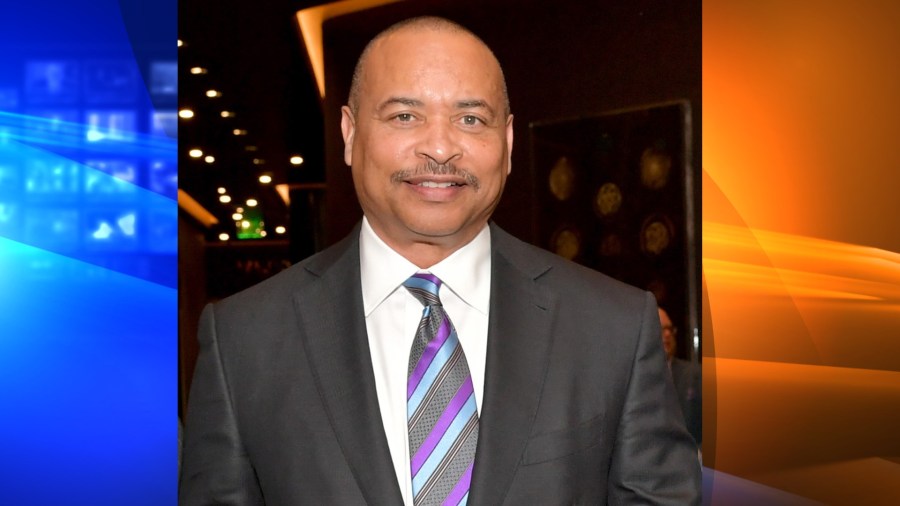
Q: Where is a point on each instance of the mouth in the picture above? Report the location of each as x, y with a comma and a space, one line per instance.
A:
438, 177
435, 181
438, 184
436, 188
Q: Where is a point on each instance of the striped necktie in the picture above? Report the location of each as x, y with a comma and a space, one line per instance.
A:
441, 415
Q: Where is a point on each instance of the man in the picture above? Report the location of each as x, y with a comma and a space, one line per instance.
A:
307, 388
686, 377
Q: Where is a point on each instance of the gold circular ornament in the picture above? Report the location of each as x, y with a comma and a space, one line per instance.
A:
656, 235
655, 167
562, 179
608, 199
566, 243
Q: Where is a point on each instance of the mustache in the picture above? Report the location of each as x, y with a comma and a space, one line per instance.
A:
434, 168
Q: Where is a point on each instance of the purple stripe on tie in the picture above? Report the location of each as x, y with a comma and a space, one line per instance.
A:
429, 276
461, 488
427, 356
458, 401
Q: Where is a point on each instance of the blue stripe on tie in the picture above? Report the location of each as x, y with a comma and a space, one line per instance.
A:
424, 284
446, 442
440, 358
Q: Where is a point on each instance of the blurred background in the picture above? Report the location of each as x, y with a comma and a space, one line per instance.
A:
262, 183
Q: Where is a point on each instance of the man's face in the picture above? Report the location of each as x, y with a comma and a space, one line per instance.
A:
430, 142
668, 333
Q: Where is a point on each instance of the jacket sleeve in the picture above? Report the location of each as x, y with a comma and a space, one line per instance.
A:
654, 460
216, 468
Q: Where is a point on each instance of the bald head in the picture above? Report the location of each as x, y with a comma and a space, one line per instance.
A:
412, 25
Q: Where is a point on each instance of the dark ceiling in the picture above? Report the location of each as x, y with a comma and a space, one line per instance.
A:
254, 56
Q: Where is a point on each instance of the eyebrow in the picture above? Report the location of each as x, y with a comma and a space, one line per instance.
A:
408, 102
474, 104
413, 102
477, 103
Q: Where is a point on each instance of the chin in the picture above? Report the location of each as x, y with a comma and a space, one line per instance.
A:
434, 232
442, 225
436, 229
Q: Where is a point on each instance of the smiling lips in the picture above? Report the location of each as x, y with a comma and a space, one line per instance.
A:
434, 176
436, 180
436, 184
436, 188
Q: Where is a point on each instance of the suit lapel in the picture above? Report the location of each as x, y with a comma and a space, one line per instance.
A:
334, 335
519, 341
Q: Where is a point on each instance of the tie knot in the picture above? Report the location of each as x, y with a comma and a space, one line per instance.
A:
425, 288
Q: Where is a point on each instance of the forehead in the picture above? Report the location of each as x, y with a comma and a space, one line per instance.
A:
431, 64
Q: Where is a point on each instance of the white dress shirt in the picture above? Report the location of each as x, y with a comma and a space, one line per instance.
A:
393, 314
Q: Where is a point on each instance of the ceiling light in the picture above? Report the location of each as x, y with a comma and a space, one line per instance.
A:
262, 233
245, 224
180, 43
227, 114
198, 70
238, 131
265, 179
224, 199
237, 216
213, 93
251, 202
210, 159
221, 190
224, 237
250, 148
258, 161
186, 114
195, 153
296, 160
240, 209
280, 230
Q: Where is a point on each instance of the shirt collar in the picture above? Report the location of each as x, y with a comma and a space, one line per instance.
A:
466, 272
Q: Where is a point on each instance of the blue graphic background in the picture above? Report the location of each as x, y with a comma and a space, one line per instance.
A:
88, 252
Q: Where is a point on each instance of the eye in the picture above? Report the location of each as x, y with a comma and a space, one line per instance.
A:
404, 117
471, 120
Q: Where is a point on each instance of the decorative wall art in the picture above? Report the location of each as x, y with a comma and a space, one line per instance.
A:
616, 192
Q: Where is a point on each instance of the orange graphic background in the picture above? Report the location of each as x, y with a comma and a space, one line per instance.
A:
801, 205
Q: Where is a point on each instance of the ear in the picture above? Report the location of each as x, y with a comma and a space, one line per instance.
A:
348, 128
509, 143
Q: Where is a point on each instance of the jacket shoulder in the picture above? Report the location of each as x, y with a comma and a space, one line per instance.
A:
343, 256
568, 277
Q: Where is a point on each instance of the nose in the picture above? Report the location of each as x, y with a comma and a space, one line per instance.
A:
439, 142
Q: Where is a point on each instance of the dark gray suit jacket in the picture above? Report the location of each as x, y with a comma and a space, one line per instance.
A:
578, 406
687, 378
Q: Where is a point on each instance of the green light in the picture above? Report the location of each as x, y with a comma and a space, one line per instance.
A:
251, 226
